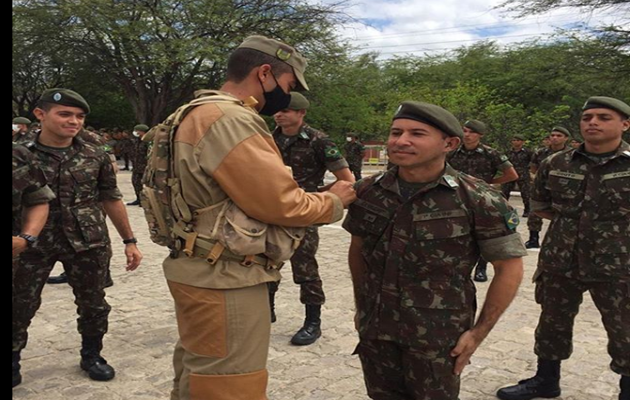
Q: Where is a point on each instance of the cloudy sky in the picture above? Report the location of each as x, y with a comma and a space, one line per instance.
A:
403, 27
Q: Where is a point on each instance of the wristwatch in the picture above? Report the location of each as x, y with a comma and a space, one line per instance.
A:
132, 240
30, 239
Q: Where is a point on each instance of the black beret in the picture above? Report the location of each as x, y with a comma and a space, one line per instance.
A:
432, 115
65, 97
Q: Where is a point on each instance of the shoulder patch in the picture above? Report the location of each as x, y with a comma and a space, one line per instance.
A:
332, 152
511, 219
504, 158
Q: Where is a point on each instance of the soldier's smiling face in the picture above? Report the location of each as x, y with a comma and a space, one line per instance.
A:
61, 121
413, 144
601, 125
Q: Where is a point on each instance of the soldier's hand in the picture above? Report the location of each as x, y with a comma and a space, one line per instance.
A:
465, 348
19, 245
345, 191
134, 256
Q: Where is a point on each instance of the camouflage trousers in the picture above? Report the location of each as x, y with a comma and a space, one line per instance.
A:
395, 372
306, 270
86, 271
523, 186
356, 171
136, 179
560, 299
534, 223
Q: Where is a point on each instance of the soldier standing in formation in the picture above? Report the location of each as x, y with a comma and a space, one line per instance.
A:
585, 194
520, 157
75, 234
140, 155
309, 153
417, 231
226, 156
483, 162
355, 151
20, 128
557, 142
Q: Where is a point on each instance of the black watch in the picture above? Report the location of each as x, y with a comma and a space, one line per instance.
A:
132, 240
30, 239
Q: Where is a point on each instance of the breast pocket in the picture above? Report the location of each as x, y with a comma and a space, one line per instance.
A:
302, 157
618, 192
564, 189
85, 178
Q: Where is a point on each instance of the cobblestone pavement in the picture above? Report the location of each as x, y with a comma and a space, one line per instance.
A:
143, 333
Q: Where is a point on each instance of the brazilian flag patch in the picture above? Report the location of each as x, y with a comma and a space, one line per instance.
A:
511, 219
333, 152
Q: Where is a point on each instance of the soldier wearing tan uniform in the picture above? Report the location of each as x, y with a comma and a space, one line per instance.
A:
225, 155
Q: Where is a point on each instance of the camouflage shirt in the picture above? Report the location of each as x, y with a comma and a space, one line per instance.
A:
541, 154
81, 177
483, 162
309, 154
420, 253
354, 153
141, 154
29, 185
521, 160
589, 236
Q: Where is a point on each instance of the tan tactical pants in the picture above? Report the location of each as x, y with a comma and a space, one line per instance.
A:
224, 342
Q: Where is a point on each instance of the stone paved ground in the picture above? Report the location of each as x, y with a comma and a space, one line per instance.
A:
143, 332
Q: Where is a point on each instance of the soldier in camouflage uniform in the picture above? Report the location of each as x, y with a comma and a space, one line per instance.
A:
557, 142
520, 157
417, 232
586, 194
84, 183
125, 148
483, 162
20, 128
140, 154
309, 153
355, 151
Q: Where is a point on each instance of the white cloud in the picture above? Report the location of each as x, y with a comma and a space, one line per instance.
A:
419, 26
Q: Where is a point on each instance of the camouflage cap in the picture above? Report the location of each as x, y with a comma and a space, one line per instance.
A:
476, 126
21, 120
282, 52
609, 103
518, 137
65, 97
141, 128
430, 114
298, 102
561, 129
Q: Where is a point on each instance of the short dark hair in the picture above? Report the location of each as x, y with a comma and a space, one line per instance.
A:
243, 60
45, 105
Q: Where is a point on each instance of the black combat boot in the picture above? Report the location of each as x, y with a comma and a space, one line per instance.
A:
17, 376
109, 282
480, 271
532, 243
55, 280
311, 331
272, 306
92, 362
624, 384
545, 384
136, 202
525, 213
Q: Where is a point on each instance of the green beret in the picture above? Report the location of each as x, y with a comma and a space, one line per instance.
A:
141, 128
298, 102
432, 115
609, 103
22, 121
282, 52
561, 129
65, 97
476, 126
518, 137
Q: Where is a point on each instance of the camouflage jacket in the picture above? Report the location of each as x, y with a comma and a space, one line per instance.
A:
420, 253
589, 236
521, 160
81, 177
354, 153
141, 154
309, 154
29, 185
541, 154
483, 162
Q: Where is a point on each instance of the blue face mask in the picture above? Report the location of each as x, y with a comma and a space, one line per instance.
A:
275, 100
